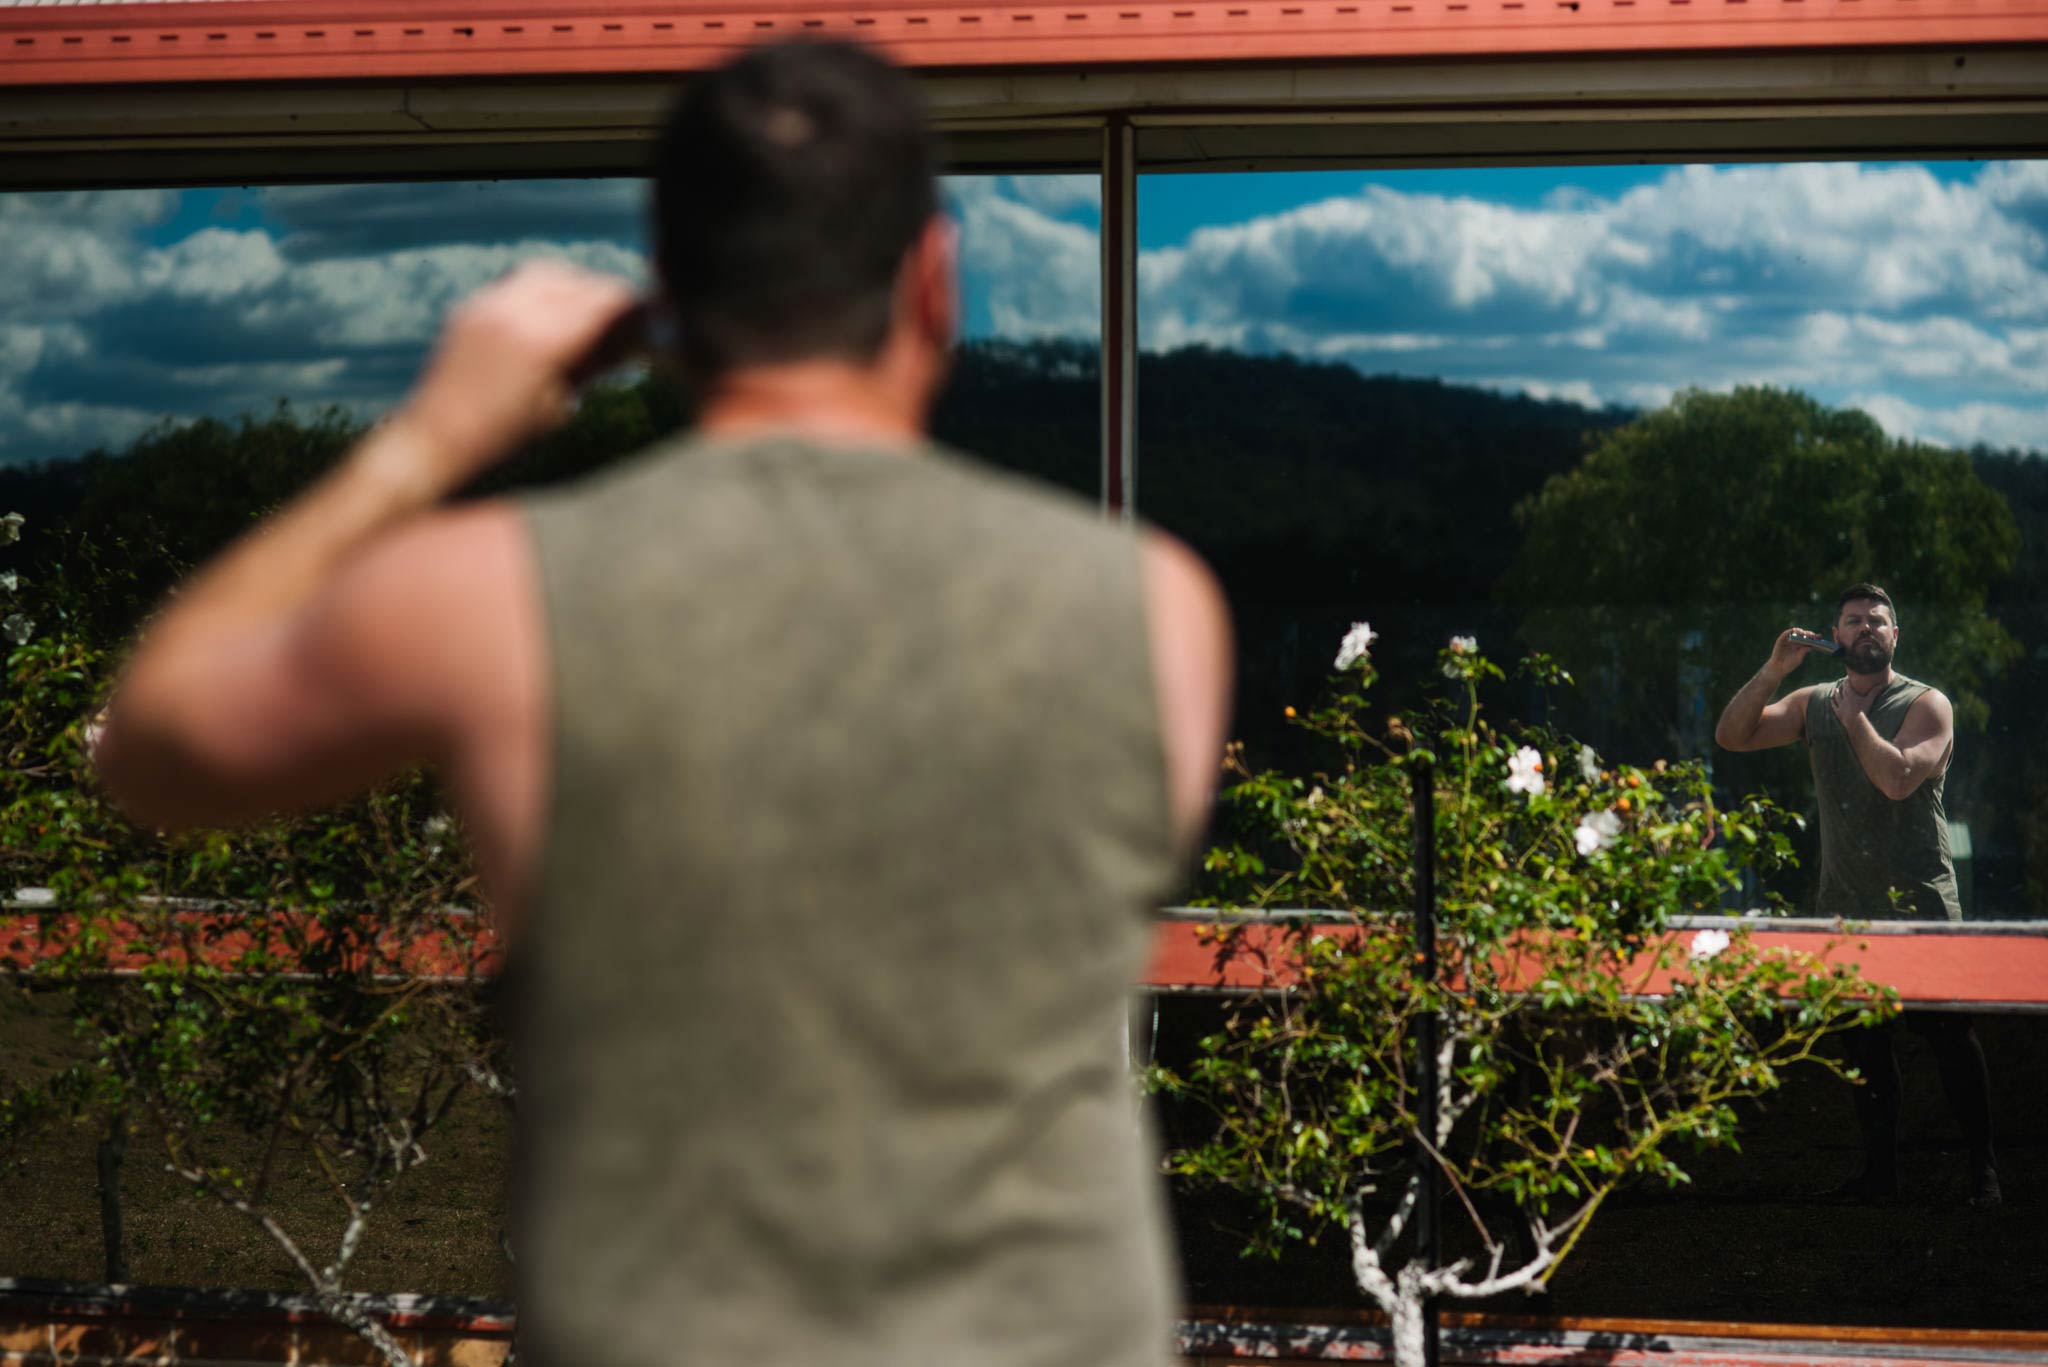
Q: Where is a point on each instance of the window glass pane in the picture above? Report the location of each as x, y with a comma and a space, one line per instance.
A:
1026, 392
175, 363
1643, 418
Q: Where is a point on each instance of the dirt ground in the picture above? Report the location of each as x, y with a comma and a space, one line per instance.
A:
1749, 1241
438, 1230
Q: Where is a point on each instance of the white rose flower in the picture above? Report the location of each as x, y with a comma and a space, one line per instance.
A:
10, 581
1460, 645
1596, 832
10, 528
1357, 641
17, 629
1589, 764
1525, 772
1708, 943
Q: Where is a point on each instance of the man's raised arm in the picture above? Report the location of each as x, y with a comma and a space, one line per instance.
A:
229, 708
1751, 721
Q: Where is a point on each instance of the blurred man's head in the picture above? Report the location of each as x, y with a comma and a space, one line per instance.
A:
1867, 628
794, 193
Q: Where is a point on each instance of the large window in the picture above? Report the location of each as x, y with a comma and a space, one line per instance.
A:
174, 363
1643, 419
1638, 417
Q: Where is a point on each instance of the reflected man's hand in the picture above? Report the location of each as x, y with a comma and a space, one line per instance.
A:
1788, 653
1849, 704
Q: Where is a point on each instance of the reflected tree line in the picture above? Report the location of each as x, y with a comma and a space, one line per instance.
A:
1655, 555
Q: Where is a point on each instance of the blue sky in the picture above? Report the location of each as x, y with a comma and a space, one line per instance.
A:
1918, 292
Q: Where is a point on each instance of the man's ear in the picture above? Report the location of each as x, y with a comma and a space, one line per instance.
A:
932, 280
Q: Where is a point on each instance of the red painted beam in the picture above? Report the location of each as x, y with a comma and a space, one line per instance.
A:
466, 949
301, 40
1929, 967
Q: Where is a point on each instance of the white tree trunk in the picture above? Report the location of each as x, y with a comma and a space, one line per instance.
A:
1409, 1346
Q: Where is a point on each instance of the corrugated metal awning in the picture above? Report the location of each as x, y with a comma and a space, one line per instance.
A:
270, 40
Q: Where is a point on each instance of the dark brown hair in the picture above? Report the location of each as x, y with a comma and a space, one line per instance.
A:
789, 186
1872, 591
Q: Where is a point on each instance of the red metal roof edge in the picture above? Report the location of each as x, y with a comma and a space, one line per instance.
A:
301, 40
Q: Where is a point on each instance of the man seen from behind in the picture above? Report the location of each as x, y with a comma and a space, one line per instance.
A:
822, 779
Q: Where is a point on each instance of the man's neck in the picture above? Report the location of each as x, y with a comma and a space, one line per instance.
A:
1866, 684
831, 401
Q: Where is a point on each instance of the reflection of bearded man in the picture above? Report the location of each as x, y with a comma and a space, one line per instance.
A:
1868, 655
1880, 745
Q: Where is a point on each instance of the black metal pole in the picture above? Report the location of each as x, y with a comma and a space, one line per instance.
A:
1428, 1240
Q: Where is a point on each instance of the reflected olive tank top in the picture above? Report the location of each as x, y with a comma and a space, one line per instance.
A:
1869, 844
858, 815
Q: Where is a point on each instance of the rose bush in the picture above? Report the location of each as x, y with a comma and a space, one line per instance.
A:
1578, 1039
312, 984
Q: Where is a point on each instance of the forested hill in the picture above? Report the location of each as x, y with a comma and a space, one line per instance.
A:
1296, 478
1288, 472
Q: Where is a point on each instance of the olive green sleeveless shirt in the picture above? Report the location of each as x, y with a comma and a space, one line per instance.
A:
858, 817
1869, 844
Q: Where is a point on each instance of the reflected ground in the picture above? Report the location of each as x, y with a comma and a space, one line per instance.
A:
1746, 1242
1750, 1239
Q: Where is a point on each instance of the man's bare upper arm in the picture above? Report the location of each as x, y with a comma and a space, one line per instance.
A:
1926, 737
1192, 665
365, 681
1780, 723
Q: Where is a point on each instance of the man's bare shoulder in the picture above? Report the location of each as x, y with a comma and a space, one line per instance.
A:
1179, 577
1930, 696
1188, 626
432, 614
1932, 704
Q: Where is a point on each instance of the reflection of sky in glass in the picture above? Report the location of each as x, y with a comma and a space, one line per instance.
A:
1919, 292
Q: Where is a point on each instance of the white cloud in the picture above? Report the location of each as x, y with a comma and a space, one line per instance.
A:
55, 270
399, 298
212, 263
1572, 391
1055, 194
1042, 274
331, 300
1921, 298
1838, 279
1993, 424
89, 211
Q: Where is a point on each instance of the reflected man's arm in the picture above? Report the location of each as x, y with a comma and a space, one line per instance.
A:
1751, 721
1921, 749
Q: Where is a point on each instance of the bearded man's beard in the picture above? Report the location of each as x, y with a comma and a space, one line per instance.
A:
1867, 657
